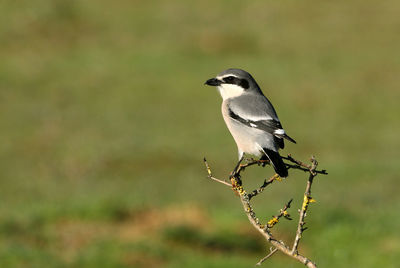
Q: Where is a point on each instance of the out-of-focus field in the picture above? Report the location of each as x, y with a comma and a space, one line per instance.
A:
104, 121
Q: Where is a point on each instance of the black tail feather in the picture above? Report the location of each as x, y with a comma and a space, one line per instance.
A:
277, 162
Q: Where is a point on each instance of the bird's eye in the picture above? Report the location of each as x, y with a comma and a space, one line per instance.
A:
229, 79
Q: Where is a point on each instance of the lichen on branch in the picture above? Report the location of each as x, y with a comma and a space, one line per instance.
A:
264, 229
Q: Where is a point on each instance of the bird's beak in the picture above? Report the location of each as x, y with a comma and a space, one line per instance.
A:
213, 82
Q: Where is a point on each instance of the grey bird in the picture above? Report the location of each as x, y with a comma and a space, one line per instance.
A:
251, 118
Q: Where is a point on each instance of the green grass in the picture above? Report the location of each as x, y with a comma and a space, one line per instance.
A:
105, 120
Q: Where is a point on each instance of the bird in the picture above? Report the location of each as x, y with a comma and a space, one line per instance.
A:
251, 118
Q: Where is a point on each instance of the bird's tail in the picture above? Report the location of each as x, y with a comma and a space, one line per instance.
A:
276, 162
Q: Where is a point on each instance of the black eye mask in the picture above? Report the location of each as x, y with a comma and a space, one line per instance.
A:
237, 81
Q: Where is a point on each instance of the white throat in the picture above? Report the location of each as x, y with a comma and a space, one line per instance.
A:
229, 91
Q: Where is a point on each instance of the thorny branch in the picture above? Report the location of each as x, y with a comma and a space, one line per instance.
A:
264, 229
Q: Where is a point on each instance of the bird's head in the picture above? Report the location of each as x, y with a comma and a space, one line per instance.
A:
233, 83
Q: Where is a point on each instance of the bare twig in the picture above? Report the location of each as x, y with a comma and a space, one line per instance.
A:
301, 166
307, 200
211, 176
262, 187
250, 162
272, 251
264, 228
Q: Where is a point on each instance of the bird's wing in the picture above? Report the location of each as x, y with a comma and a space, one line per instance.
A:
253, 107
260, 115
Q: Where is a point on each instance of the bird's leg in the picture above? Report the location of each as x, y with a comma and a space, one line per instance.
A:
235, 170
234, 173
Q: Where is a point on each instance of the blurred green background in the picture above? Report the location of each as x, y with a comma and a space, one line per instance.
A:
104, 121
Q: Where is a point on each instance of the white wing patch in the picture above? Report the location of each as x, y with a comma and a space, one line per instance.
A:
279, 132
253, 125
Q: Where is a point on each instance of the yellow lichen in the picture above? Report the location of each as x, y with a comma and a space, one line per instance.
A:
307, 199
272, 221
285, 213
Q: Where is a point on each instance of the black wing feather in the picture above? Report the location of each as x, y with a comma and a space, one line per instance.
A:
267, 125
